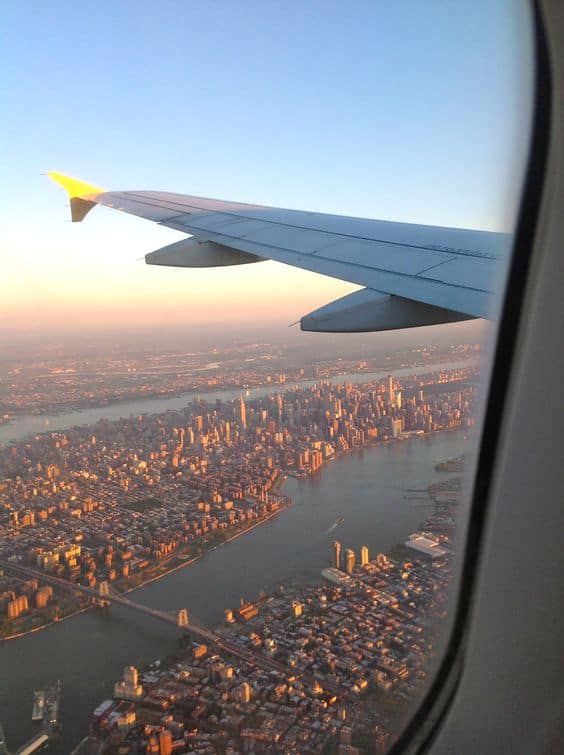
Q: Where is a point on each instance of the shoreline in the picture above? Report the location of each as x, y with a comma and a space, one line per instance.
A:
374, 374
49, 624
156, 577
278, 485
372, 444
196, 390
197, 558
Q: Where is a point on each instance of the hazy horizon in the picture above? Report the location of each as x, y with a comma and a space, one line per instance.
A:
29, 343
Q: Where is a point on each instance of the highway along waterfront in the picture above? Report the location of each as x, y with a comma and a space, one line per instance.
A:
88, 652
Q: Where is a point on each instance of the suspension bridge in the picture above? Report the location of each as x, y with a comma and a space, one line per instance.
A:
104, 595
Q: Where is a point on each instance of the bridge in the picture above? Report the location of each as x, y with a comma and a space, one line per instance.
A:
104, 595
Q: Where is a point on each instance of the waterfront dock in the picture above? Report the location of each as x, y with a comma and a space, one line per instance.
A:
33, 744
50, 714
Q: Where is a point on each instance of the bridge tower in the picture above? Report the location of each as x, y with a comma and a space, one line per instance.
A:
103, 591
183, 618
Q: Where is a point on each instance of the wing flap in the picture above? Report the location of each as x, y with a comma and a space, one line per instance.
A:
194, 253
386, 256
367, 311
473, 271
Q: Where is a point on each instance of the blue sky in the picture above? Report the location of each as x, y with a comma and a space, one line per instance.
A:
412, 111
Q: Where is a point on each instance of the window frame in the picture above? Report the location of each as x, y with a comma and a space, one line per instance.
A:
433, 708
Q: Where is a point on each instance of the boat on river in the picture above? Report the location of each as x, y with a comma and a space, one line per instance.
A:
38, 705
51, 709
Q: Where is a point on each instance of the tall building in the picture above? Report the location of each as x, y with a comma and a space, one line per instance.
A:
382, 560
397, 427
129, 688
165, 742
245, 692
241, 413
364, 557
391, 394
337, 549
229, 618
349, 561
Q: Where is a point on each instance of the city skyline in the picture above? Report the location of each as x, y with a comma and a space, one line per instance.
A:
114, 505
287, 125
129, 461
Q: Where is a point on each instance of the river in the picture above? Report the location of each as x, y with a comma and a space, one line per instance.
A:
88, 652
30, 424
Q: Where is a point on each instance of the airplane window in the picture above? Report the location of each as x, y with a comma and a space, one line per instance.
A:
218, 533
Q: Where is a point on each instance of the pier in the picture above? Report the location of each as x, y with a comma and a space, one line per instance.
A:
33, 744
49, 729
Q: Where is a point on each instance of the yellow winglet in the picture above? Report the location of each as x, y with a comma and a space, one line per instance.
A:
79, 193
73, 186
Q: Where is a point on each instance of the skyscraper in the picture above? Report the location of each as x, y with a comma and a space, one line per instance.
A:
245, 692
297, 609
165, 742
364, 557
349, 561
241, 412
391, 394
337, 549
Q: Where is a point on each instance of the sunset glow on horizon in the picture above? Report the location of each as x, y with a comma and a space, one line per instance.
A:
100, 286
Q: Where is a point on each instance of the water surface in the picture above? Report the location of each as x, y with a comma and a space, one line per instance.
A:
88, 652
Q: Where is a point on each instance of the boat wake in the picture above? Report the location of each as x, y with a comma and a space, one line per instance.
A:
333, 527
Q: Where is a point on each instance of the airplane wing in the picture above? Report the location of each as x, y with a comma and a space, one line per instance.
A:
411, 274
